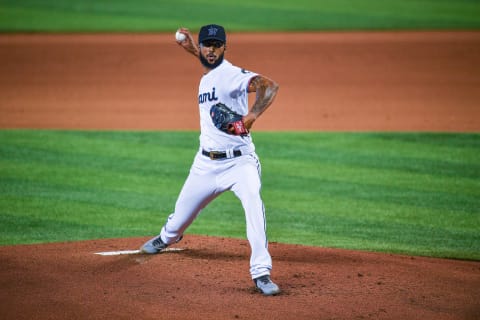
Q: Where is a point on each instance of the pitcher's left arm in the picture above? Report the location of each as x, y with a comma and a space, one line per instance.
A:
266, 89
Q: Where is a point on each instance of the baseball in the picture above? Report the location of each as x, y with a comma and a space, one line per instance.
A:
180, 36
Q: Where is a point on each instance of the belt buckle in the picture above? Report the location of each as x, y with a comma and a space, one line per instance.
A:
212, 155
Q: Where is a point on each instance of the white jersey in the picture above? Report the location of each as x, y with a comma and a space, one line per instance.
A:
227, 84
208, 177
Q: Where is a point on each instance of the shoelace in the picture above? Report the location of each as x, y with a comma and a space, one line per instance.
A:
265, 280
158, 243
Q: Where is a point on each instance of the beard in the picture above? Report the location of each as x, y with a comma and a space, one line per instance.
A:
206, 64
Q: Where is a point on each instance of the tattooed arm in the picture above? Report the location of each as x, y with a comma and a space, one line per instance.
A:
266, 90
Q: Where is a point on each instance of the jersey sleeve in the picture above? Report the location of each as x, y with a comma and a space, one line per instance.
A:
246, 77
239, 92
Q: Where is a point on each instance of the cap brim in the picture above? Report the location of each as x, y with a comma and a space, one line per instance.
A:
212, 38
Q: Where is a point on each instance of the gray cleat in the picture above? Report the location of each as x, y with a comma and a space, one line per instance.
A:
265, 285
154, 245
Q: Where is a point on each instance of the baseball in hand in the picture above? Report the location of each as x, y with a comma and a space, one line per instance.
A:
180, 36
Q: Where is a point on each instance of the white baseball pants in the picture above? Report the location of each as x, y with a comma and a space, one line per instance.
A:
206, 181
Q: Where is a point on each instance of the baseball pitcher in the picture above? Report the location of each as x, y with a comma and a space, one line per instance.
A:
226, 159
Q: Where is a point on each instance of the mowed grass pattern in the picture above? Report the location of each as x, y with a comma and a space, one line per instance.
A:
412, 193
236, 15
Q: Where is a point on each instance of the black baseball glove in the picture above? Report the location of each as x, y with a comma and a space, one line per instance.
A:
227, 120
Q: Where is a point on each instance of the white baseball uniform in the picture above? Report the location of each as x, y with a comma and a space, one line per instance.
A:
209, 178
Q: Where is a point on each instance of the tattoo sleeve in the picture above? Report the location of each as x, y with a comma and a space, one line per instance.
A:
266, 90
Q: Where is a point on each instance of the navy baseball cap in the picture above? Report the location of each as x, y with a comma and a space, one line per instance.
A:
212, 32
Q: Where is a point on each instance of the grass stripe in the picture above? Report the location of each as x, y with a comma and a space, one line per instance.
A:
414, 193
237, 15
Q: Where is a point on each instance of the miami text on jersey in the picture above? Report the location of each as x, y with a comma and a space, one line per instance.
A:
207, 96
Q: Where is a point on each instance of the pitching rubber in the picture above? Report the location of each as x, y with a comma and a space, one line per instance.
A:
117, 253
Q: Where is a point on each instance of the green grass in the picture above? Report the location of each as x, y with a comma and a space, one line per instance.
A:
236, 15
392, 192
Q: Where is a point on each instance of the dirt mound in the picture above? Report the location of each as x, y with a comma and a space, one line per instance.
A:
209, 279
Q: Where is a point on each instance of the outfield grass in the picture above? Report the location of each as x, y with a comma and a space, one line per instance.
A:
393, 192
236, 15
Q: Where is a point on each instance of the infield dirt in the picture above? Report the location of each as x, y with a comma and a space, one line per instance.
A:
420, 81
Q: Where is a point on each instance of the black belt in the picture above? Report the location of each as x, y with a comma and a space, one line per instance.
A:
215, 155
